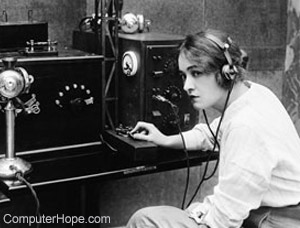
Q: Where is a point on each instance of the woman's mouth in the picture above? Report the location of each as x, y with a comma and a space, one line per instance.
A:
193, 98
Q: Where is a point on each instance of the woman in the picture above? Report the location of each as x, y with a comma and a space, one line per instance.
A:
259, 169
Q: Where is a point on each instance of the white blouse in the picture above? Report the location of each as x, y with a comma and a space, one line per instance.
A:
259, 158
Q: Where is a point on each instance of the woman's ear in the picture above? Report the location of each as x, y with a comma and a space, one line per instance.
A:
220, 79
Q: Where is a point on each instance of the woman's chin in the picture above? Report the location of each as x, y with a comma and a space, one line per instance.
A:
198, 106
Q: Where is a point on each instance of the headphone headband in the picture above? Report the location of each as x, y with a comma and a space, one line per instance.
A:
222, 45
217, 41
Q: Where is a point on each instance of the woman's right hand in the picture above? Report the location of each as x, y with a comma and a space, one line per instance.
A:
148, 132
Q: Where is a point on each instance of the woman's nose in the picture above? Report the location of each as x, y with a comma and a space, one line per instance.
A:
188, 85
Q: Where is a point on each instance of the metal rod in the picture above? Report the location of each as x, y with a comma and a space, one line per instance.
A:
10, 129
118, 7
104, 63
96, 28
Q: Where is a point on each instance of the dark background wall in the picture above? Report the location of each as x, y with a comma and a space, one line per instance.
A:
258, 25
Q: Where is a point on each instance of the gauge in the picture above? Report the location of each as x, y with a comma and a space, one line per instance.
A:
129, 63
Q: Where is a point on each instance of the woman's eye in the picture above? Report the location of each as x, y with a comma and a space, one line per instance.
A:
183, 76
196, 73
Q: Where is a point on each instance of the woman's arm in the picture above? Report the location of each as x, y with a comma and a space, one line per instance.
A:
148, 132
198, 138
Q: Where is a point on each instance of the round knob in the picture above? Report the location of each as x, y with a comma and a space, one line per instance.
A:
11, 83
173, 94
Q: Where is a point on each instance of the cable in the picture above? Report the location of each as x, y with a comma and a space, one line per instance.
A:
215, 136
203, 176
20, 177
211, 131
175, 111
216, 141
217, 132
107, 144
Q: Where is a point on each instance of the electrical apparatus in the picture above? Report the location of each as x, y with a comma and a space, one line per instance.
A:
14, 81
131, 23
15, 35
148, 63
66, 91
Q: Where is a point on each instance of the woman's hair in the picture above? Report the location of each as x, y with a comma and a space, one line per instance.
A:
205, 53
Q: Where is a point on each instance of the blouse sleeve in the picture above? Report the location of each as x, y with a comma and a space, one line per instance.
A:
200, 137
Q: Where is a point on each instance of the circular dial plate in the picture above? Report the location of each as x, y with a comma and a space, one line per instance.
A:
129, 63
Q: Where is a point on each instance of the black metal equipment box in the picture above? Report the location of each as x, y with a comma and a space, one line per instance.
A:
157, 74
14, 35
87, 41
68, 91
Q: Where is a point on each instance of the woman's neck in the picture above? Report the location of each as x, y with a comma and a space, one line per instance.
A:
238, 90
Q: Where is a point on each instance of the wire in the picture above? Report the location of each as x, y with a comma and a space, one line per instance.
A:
203, 176
211, 131
217, 132
175, 111
20, 177
107, 144
215, 136
216, 141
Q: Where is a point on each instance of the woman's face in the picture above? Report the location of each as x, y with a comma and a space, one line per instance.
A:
201, 87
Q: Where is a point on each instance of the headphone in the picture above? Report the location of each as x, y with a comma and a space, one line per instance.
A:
229, 70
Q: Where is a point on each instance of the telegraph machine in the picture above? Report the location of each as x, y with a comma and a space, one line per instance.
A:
151, 88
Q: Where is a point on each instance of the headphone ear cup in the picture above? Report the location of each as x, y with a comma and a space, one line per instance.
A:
229, 72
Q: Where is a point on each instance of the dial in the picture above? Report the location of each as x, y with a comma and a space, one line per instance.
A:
173, 93
76, 97
129, 63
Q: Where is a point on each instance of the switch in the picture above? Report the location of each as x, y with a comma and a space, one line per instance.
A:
156, 113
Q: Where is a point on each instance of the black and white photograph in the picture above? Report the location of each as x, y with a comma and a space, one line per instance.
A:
150, 114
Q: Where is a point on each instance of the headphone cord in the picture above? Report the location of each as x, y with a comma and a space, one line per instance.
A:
175, 111
216, 141
204, 178
20, 177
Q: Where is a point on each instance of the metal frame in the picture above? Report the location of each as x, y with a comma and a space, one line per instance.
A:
109, 15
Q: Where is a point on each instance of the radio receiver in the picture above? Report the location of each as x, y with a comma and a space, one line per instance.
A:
149, 69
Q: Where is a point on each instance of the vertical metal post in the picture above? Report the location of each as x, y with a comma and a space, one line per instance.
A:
103, 69
96, 28
109, 13
10, 129
116, 76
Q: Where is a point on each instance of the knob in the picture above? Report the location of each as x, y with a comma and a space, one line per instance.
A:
156, 57
157, 74
173, 94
